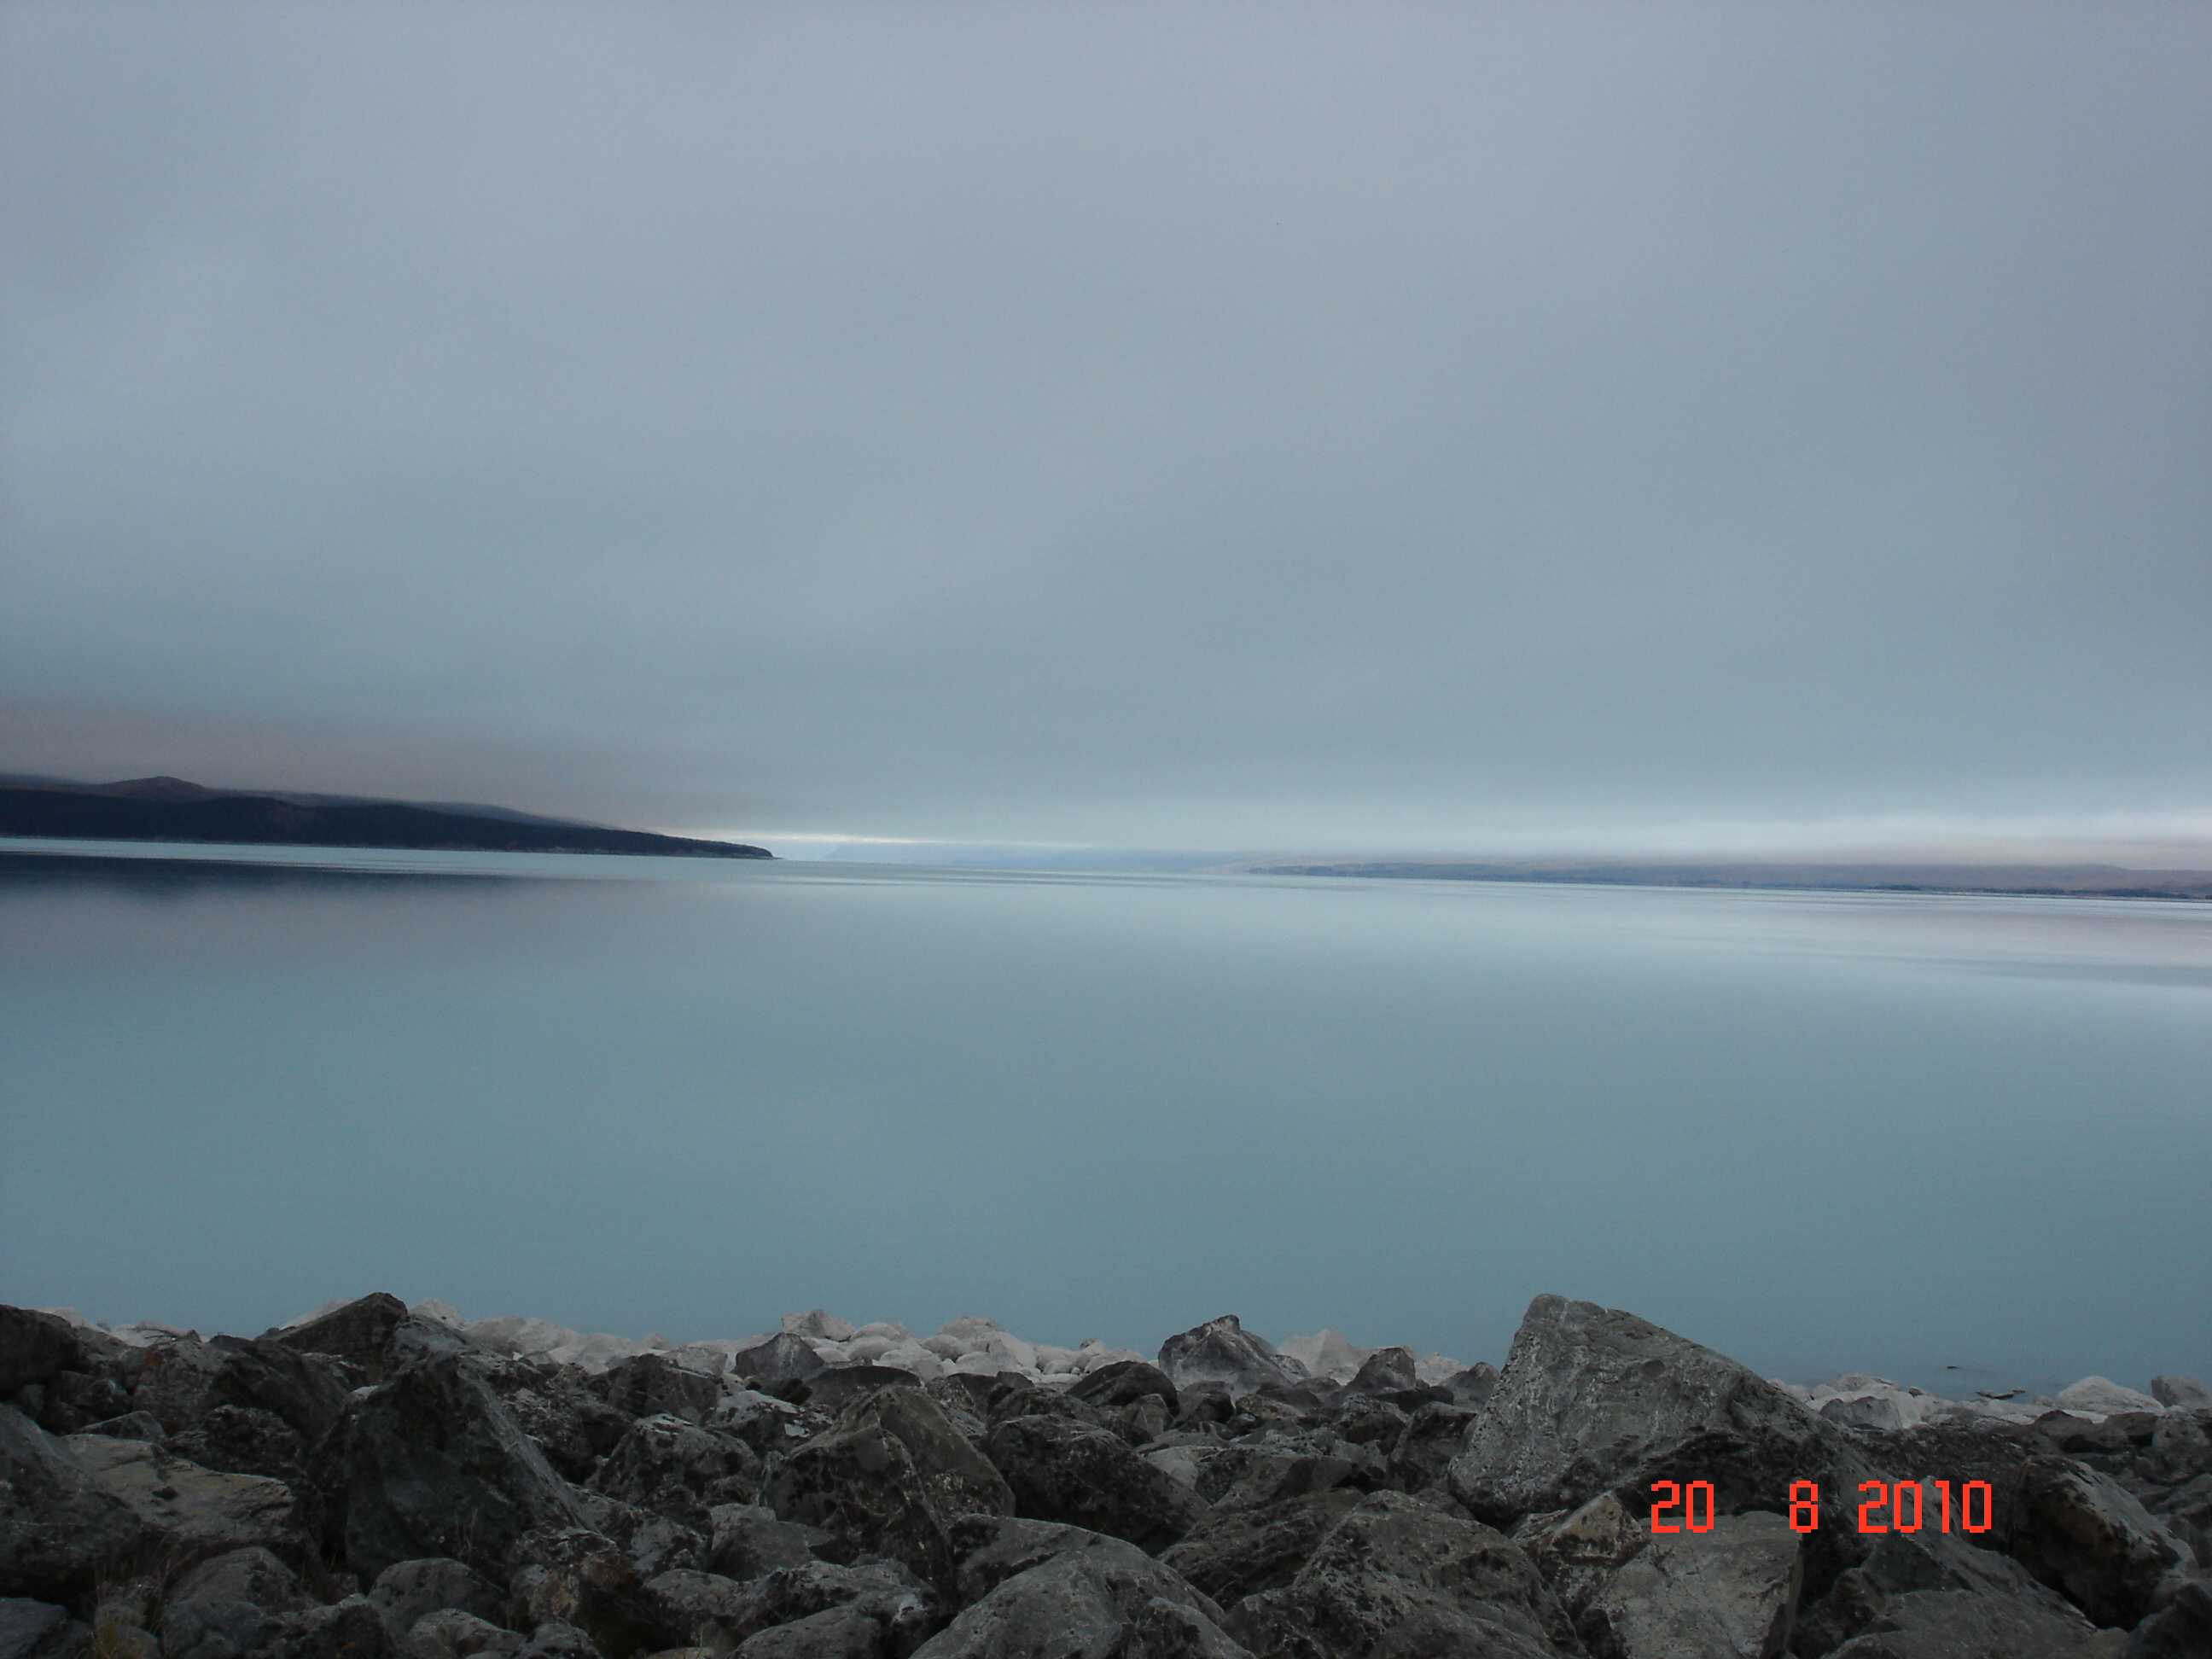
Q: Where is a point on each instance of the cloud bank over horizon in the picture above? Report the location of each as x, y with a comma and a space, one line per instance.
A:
1773, 427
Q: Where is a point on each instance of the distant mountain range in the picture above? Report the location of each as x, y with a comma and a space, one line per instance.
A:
171, 809
2071, 880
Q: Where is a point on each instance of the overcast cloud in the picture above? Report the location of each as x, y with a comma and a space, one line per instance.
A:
1368, 426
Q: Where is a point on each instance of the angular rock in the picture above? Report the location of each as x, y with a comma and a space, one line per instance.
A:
653, 1385
1223, 1351
406, 1591
174, 1381
838, 1387
574, 1579
1396, 1576
1474, 1385
818, 1325
1040, 1589
1424, 1451
782, 1358
1124, 1382
2181, 1629
432, 1464
1363, 1420
195, 1512
34, 1347
678, 1470
748, 1541
557, 1639
1732, 1590
139, 1426
888, 1480
350, 1629
1959, 1625
1087, 1477
253, 1575
27, 1626
450, 1633
2102, 1395
1234, 1553
1384, 1372
359, 1331
2186, 1393
769, 1425
2084, 1535
239, 1440
720, 1612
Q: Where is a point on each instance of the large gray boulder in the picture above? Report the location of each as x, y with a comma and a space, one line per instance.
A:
406, 1591
888, 1480
1234, 1553
2089, 1539
1035, 1588
1397, 1577
653, 1385
1728, 1593
58, 1530
720, 1613
1960, 1625
1593, 1397
26, 1626
677, 1468
2185, 1393
359, 1331
34, 1347
1124, 1382
194, 1512
1223, 1351
1082, 1476
782, 1358
432, 1464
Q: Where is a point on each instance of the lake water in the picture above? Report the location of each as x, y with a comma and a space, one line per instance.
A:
1817, 1132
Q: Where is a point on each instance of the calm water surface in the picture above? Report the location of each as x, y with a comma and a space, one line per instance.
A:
1819, 1131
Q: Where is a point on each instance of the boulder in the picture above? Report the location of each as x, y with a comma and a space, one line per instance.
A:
1398, 1576
1592, 1397
2180, 1629
27, 1626
1424, 1450
1960, 1625
816, 1325
1089, 1477
1385, 1371
253, 1575
1234, 1553
677, 1468
59, 1529
782, 1358
432, 1464
1223, 1351
2087, 1537
350, 1629
722, 1613
234, 1439
888, 1480
406, 1591
749, 1542
651, 1385
1123, 1383
1363, 1420
2186, 1393
358, 1331
769, 1425
838, 1387
34, 1347
1729, 1591
450, 1633
2103, 1396
1035, 1588
194, 1512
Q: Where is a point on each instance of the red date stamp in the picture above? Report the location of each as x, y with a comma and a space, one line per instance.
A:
1884, 1506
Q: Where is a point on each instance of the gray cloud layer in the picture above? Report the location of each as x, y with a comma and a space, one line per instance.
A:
1200, 424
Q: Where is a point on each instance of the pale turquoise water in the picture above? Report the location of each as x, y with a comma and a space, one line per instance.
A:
1879, 1132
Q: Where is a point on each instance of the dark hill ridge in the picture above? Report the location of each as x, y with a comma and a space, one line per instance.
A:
170, 809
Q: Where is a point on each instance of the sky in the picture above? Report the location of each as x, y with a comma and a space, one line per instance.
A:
1374, 428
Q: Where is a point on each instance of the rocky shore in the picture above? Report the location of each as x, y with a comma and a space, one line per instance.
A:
380, 1482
